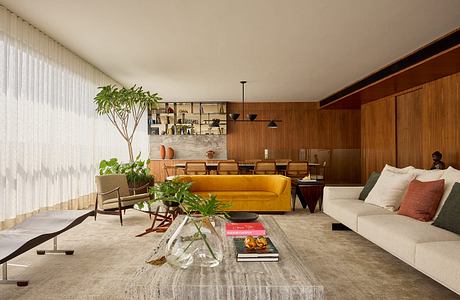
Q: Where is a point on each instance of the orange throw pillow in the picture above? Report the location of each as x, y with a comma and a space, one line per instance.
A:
422, 199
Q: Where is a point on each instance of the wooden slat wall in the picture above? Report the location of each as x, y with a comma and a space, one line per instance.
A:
378, 144
438, 107
408, 133
303, 127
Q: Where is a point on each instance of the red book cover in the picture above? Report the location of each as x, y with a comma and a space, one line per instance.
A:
242, 229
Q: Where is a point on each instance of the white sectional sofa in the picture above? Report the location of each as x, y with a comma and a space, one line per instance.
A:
429, 249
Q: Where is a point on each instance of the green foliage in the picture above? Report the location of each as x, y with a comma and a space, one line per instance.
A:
179, 192
124, 101
124, 106
136, 171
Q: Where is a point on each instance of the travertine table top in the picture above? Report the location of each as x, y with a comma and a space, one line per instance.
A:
289, 278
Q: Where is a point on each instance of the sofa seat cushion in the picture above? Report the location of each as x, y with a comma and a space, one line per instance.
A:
241, 195
399, 234
441, 261
347, 211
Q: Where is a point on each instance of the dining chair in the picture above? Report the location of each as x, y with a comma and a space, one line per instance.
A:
297, 169
320, 173
264, 167
195, 168
227, 168
113, 195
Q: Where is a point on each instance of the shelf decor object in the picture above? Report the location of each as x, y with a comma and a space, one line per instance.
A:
251, 117
188, 118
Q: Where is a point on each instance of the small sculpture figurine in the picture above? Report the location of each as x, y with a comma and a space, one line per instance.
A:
437, 163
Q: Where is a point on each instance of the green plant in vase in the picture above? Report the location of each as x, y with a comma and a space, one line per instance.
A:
137, 172
196, 242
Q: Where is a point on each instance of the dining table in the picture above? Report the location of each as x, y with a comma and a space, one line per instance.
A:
245, 166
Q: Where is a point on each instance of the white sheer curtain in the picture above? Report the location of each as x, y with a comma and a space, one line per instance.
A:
51, 140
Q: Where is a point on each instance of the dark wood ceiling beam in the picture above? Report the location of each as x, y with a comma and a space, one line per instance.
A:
438, 59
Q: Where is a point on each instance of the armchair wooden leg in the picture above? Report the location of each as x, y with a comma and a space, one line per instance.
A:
95, 208
120, 210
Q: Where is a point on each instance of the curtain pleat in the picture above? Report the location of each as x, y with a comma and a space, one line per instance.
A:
51, 139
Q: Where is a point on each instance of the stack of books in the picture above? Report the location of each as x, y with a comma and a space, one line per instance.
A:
270, 253
244, 229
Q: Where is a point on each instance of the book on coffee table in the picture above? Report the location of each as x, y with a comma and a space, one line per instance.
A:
270, 253
244, 229
241, 259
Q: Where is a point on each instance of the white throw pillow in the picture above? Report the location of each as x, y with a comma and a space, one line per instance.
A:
389, 189
450, 176
427, 175
398, 170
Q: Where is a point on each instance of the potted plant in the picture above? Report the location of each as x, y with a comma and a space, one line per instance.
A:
137, 172
125, 108
196, 242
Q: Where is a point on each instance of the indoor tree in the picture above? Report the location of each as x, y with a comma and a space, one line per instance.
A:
124, 108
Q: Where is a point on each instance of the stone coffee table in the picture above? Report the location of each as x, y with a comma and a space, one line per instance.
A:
288, 278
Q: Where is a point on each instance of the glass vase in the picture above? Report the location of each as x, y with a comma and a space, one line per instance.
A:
196, 242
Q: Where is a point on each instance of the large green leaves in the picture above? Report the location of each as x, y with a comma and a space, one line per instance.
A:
124, 101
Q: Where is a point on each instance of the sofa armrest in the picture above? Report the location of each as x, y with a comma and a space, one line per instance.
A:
341, 192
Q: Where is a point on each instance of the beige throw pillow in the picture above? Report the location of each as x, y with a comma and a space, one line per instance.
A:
450, 176
389, 189
408, 169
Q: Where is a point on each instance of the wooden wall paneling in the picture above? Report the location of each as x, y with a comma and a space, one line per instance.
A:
441, 123
409, 129
378, 130
303, 126
433, 114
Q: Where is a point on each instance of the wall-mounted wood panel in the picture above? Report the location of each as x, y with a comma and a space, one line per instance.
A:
435, 106
408, 133
303, 127
378, 143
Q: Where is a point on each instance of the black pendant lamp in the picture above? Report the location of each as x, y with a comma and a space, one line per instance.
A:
251, 117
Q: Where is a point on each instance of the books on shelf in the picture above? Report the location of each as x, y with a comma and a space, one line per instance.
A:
270, 253
244, 229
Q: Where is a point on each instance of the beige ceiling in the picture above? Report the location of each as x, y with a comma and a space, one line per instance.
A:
200, 49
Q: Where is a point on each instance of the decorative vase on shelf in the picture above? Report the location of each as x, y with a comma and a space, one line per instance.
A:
210, 154
170, 153
162, 151
196, 242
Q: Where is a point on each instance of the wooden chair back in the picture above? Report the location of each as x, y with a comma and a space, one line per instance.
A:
297, 169
195, 168
265, 168
228, 168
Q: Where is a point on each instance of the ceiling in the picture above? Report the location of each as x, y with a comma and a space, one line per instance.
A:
293, 50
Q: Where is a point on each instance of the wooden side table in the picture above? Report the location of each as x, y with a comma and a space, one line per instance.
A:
309, 193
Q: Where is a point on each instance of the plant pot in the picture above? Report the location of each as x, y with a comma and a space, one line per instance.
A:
196, 242
170, 203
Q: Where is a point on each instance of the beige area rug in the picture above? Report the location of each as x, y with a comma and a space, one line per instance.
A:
106, 256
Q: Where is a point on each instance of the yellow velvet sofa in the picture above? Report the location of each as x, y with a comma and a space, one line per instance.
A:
262, 193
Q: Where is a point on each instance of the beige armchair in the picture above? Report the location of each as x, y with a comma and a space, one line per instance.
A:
113, 195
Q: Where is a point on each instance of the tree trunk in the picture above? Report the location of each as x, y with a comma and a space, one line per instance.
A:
130, 150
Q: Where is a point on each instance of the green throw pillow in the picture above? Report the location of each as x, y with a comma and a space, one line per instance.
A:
369, 185
449, 216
